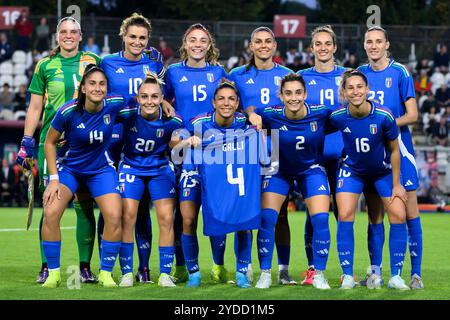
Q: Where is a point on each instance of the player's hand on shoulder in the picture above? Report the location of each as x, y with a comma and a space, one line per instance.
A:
168, 110
256, 120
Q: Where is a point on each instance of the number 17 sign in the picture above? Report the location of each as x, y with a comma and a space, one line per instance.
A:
287, 26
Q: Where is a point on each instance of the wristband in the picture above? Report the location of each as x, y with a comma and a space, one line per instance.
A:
54, 177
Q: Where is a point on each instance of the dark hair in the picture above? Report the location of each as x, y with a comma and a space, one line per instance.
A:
81, 100
325, 28
252, 58
378, 28
345, 76
292, 77
224, 83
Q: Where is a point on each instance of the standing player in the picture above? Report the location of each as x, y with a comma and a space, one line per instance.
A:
258, 84
147, 136
322, 84
125, 71
87, 123
191, 83
372, 158
301, 129
391, 85
55, 81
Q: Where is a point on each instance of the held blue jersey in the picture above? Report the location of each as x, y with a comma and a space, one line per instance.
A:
125, 76
88, 134
231, 186
365, 139
300, 141
192, 88
146, 142
323, 88
258, 88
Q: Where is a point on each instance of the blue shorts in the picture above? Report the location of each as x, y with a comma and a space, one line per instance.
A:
311, 183
189, 187
409, 175
354, 183
160, 186
101, 183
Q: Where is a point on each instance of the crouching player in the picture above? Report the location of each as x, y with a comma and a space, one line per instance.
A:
372, 159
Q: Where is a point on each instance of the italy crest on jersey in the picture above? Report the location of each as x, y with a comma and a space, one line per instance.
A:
146, 69
210, 77
340, 183
186, 192
107, 119
313, 126
388, 82
277, 81
159, 133
337, 80
373, 129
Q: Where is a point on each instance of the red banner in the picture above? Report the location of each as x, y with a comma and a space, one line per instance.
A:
8, 16
287, 26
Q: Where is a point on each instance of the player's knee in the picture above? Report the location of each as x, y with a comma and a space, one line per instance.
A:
189, 224
166, 222
346, 214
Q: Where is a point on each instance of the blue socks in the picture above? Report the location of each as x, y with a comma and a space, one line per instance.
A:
190, 250
284, 253
266, 238
346, 246
126, 257
166, 259
308, 236
110, 250
52, 252
397, 247
375, 243
218, 248
243, 250
178, 230
415, 245
321, 240
143, 236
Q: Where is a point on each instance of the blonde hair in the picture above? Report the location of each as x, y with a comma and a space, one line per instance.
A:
212, 55
325, 28
151, 78
57, 49
135, 19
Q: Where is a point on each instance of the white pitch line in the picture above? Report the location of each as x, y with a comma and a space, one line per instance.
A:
32, 229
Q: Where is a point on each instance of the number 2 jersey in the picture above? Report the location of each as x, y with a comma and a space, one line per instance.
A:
88, 135
365, 140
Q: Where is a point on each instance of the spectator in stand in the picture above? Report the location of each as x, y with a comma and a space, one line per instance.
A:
21, 99
352, 62
428, 103
166, 51
429, 119
240, 62
291, 54
6, 183
6, 98
91, 46
439, 133
24, 30
422, 83
277, 58
297, 65
424, 64
443, 96
441, 58
437, 79
307, 63
19, 186
42, 43
5, 48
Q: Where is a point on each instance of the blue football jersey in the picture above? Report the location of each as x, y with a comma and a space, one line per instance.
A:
88, 134
115, 147
323, 88
258, 88
300, 141
231, 187
125, 76
366, 151
146, 142
192, 88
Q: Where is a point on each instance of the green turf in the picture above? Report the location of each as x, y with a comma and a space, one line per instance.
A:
20, 263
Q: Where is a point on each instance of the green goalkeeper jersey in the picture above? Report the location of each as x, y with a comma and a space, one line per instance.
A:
57, 79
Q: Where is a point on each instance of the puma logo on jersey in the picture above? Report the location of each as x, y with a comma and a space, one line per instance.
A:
81, 126
408, 183
120, 70
284, 128
322, 188
347, 130
184, 79
312, 82
250, 81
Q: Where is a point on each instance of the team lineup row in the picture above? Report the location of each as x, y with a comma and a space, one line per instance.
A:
299, 107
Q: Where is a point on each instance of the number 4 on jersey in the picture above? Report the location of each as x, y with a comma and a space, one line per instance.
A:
239, 180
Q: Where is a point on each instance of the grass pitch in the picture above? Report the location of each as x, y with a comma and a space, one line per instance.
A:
20, 262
